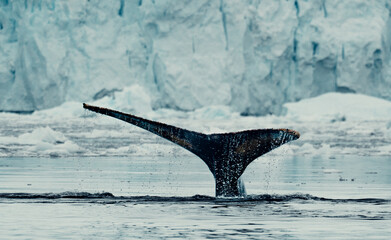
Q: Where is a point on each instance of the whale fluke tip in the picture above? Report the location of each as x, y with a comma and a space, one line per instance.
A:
87, 106
93, 108
295, 134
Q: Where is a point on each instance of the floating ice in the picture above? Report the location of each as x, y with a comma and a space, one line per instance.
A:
330, 124
43, 141
214, 113
340, 107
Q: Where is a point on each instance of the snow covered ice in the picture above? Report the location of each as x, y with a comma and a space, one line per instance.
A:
250, 55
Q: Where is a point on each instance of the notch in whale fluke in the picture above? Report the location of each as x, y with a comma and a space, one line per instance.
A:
227, 154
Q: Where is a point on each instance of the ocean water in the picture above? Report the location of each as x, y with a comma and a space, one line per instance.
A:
160, 197
65, 174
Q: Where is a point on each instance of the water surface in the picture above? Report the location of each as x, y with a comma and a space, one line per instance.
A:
347, 197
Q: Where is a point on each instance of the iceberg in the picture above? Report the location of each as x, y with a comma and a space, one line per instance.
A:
251, 56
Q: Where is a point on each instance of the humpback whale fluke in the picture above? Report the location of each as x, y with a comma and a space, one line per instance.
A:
227, 154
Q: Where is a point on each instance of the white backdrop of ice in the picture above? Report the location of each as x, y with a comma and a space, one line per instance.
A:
252, 56
330, 124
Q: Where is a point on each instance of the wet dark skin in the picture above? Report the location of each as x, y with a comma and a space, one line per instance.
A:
227, 154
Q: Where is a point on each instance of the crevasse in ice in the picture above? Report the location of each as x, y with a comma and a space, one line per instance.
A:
251, 55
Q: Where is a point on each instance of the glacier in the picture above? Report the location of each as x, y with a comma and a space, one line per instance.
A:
250, 56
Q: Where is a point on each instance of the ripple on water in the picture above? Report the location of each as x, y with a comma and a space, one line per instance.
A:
253, 199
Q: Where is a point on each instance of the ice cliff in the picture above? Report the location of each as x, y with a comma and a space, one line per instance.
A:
250, 55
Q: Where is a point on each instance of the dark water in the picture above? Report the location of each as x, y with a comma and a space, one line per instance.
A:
109, 198
347, 197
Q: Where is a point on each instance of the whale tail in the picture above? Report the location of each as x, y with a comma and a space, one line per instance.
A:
227, 155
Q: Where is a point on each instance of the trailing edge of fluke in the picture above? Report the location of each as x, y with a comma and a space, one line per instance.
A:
227, 154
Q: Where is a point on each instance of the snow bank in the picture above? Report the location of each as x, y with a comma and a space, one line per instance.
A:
340, 107
131, 99
214, 113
